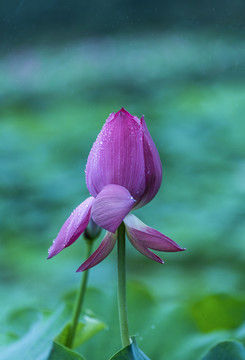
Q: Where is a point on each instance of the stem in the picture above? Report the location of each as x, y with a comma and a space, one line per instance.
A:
79, 301
122, 301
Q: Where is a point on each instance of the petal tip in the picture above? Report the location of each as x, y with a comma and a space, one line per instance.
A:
80, 269
179, 248
51, 253
124, 112
72, 228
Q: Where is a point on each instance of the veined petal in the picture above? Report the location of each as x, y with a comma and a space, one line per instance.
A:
117, 156
153, 168
73, 227
101, 253
111, 206
149, 237
143, 249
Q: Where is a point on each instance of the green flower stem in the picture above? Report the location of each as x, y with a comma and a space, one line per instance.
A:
122, 301
79, 301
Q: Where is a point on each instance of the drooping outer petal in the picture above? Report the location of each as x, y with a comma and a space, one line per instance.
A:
73, 227
111, 206
144, 250
117, 156
153, 168
101, 253
143, 236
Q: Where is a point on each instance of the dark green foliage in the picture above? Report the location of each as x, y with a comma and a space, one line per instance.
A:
60, 352
227, 350
130, 352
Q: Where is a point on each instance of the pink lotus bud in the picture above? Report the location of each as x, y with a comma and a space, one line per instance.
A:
123, 172
125, 154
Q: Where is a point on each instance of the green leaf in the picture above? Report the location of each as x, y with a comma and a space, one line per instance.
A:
227, 350
60, 352
17, 323
130, 352
87, 328
37, 342
214, 312
20, 320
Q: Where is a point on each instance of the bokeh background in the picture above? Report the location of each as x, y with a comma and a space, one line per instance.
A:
64, 67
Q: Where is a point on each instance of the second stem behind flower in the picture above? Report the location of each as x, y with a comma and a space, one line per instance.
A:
79, 301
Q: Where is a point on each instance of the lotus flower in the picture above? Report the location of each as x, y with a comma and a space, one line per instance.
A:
123, 173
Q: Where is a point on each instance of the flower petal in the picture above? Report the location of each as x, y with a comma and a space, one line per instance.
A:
101, 253
153, 168
149, 237
117, 156
73, 227
143, 249
111, 206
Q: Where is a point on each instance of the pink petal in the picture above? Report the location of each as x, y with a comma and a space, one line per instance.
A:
111, 206
101, 253
117, 156
73, 227
144, 250
153, 168
149, 237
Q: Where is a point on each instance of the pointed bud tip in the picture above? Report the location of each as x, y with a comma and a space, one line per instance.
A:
124, 112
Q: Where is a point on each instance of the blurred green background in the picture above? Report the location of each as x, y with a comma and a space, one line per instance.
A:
64, 67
